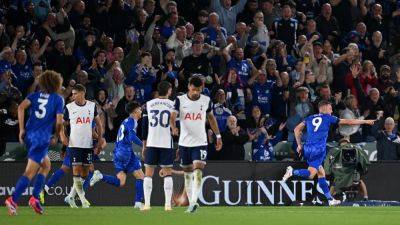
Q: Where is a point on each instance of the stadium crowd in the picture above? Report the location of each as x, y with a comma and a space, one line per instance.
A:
265, 63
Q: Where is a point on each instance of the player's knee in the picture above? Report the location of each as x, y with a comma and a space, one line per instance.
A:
65, 169
167, 171
313, 172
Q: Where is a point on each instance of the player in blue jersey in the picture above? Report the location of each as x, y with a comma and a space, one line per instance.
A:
315, 145
125, 161
45, 111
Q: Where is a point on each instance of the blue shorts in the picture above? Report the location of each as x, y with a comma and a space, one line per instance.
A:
314, 155
67, 158
189, 155
159, 156
37, 149
126, 162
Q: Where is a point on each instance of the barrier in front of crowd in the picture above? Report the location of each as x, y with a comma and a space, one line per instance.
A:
224, 183
16, 152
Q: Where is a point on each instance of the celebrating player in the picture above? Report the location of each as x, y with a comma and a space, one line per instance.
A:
157, 147
315, 145
45, 109
80, 115
125, 161
193, 109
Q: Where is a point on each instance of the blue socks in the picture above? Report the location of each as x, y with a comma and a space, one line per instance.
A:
325, 188
139, 190
20, 188
39, 183
113, 180
304, 173
55, 177
87, 181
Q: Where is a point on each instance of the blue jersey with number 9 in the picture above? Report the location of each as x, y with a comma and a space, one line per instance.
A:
318, 128
43, 114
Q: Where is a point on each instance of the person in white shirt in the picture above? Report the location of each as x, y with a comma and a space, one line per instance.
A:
193, 109
80, 115
157, 145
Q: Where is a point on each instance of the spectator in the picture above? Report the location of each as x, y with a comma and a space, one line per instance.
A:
114, 83
387, 141
236, 93
377, 52
235, 138
120, 113
262, 92
215, 34
180, 44
227, 12
285, 28
152, 42
259, 31
61, 60
327, 24
23, 77
221, 112
244, 68
263, 145
271, 13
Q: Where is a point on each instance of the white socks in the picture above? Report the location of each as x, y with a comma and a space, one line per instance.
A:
148, 187
197, 177
168, 188
78, 186
188, 184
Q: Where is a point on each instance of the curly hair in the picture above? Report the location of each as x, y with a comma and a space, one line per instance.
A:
50, 81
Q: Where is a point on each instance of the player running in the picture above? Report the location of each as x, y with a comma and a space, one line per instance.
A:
80, 115
45, 110
125, 161
157, 146
193, 109
315, 145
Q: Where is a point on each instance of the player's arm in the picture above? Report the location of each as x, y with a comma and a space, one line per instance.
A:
298, 132
355, 122
215, 129
99, 128
21, 118
134, 138
172, 119
64, 121
145, 131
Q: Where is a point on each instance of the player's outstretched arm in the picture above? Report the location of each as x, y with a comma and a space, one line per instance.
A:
21, 118
355, 122
215, 129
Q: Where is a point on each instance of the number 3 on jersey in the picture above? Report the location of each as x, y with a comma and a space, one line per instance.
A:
161, 118
316, 122
41, 113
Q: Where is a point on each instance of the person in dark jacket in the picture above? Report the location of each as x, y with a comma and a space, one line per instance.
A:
234, 138
387, 140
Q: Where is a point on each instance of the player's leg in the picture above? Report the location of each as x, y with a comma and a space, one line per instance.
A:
139, 175
166, 163
86, 184
309, 154
23, 182
323, 184
38, 186
151, 161
87, 157
56, 176
186, 164
199, 156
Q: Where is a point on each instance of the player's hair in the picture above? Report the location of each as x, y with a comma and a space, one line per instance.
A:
163, 88
131, 106
323, 103
50, 81
80, 88
196, 81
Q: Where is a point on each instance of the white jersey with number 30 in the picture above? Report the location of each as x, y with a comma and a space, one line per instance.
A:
159, 131
193, 115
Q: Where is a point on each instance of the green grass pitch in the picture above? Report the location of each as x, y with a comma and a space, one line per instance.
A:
208, 216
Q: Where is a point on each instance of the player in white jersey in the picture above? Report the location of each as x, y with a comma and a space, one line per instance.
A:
157, 143
80, 115
193, 110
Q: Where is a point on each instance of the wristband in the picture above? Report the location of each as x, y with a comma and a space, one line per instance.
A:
218, 136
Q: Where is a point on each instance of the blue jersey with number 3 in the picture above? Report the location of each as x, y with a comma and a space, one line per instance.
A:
318, 128
43, 114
